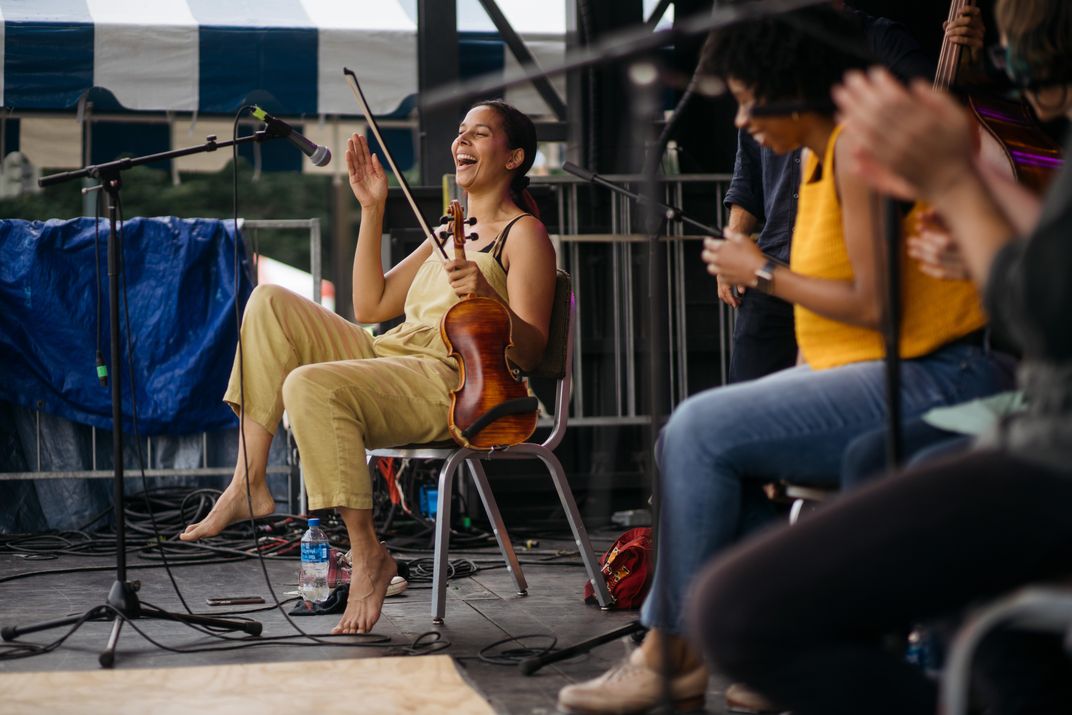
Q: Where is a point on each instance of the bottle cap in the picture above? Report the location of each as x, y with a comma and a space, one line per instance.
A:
314, 521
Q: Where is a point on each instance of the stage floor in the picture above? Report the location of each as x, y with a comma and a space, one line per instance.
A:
480, 610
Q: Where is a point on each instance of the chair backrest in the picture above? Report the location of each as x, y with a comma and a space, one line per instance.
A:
555, 356
557, 362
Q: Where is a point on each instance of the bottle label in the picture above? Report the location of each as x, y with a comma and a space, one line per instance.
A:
314, 553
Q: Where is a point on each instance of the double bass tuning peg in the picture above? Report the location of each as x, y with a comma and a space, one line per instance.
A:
444, 219
473, 236
471, 221
444, 235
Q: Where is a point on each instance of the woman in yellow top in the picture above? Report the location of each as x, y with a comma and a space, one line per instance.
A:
721, 445
344, 390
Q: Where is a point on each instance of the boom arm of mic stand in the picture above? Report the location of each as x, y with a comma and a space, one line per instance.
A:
617, 47
670, 213
97, 170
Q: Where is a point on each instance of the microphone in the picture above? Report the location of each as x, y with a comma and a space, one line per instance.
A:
571, 168
319, 155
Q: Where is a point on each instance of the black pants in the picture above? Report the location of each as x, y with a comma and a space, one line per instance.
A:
799, 614
763, 337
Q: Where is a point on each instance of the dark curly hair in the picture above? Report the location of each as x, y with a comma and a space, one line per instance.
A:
794, 57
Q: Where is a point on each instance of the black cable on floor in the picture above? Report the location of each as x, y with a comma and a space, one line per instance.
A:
513, 656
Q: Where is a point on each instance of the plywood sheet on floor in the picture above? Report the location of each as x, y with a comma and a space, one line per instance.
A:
426, 684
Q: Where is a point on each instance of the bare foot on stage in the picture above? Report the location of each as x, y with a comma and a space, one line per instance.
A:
231, 506
373, 571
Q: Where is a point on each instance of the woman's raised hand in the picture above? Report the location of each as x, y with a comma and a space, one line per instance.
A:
367, 178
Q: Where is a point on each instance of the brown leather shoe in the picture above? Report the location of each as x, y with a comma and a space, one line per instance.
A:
632, 687
742, 699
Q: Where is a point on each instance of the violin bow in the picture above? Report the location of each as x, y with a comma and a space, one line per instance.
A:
351, 79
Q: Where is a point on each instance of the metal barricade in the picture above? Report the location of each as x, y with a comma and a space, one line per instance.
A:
622, 320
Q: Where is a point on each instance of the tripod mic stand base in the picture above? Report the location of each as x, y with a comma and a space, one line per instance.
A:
123, 605
123, 597
531, 665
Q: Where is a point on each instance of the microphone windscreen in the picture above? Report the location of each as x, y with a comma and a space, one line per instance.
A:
321, 157
571, 168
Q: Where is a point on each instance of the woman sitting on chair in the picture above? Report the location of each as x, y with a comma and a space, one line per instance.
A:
722, 444
801, 614
345, 391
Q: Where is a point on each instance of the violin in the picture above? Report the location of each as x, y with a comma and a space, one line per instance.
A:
491, 407
1009, 133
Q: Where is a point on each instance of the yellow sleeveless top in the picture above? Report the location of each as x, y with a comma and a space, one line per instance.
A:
429, 297
934, 311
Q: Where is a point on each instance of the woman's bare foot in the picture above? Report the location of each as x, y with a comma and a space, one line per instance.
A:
372, 574
232, 506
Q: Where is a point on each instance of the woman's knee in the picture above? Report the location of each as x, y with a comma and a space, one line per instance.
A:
700, 419
267, 300
304, 387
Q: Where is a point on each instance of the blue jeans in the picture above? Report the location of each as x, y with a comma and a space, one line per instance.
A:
791, 425
864, 459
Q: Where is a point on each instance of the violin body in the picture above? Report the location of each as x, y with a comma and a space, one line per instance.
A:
477, 333
491, 407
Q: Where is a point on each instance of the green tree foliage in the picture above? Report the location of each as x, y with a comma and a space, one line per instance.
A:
149, 191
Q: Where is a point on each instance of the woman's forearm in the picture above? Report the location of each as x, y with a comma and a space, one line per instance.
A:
834, 299
529, 343
1021, 207
368, 279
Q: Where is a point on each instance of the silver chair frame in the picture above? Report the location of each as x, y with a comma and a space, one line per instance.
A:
1045, 609
455, 457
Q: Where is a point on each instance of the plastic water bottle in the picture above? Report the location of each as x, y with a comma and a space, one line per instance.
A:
313, 577
923, 651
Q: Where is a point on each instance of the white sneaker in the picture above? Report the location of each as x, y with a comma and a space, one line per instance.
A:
633, 687
397, 586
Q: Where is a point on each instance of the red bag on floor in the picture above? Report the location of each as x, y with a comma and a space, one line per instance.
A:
627, 569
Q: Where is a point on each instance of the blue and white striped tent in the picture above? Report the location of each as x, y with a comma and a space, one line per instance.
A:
206, 55
211, 55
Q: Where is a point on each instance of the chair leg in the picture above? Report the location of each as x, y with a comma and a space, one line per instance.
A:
580, 534
483, 488
1039, 608
442, 537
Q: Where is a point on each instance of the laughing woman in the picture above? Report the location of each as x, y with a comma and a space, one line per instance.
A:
345, 391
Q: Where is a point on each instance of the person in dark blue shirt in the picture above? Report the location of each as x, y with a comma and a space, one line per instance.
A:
763, 195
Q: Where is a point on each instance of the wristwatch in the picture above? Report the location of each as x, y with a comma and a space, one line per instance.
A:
765, 276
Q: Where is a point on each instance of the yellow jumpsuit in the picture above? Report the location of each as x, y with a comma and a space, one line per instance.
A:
345, 391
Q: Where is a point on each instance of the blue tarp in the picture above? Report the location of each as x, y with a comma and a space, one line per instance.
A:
180, 294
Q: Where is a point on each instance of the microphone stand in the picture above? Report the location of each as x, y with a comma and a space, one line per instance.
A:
891, 332
122, 602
